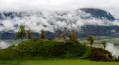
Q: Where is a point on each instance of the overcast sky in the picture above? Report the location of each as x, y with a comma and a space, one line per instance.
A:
108, 5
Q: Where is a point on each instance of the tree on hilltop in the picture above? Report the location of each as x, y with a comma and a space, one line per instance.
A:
29, 34
72, 36
104, 44
91, 40
21, 33
43, 36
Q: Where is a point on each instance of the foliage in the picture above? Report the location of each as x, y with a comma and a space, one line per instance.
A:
74, 49
86, 53
43, 36
72, 35
29, 34
21, 33
90, 38
32, 48
63, 34
99, 54
36, 48
104, 44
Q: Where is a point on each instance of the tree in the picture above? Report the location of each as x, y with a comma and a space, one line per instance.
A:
91, 40
43, 36
62, 34
104, 44
72, 36
29, 34
21, 33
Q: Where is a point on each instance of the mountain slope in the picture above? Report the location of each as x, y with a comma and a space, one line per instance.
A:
83, 21
98, 13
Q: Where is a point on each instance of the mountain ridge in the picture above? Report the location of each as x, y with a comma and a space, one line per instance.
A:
83, 21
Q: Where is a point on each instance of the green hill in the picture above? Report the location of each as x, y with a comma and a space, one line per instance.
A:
37, 48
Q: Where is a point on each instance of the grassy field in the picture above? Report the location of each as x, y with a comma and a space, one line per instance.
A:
99, 39
55, 62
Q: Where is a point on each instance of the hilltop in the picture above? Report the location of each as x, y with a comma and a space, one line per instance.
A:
37, 48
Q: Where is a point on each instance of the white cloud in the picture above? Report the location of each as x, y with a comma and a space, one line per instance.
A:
110, 47
3, 44
51, 13
52, 21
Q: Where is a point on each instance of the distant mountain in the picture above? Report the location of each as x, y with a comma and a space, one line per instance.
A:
98, 13
84, 21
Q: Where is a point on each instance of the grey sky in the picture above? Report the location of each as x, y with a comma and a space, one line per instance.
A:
109, 5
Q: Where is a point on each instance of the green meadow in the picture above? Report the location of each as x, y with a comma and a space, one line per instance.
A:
56, 62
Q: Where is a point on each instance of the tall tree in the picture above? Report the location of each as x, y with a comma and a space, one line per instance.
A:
72, 35
91, 40
21, 33
43, 36
104, 44
29, 34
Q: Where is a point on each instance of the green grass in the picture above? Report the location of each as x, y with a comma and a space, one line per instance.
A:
99, 39
55, 62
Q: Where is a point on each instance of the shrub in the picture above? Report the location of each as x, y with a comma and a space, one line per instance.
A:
37, 48
99, 54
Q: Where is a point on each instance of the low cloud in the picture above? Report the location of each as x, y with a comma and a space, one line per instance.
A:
110, 47
3, 44
52, 21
